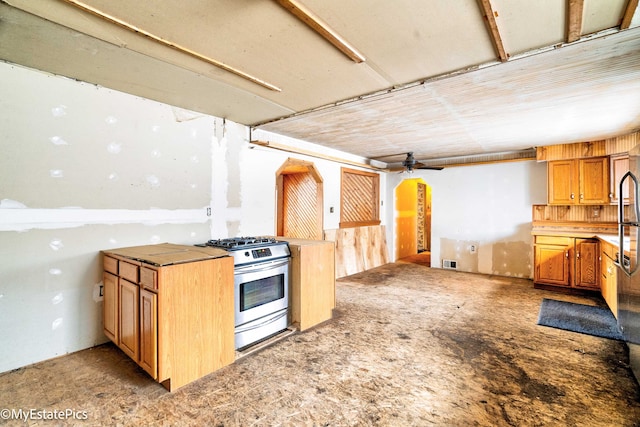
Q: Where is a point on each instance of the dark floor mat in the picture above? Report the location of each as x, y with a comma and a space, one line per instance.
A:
585, 319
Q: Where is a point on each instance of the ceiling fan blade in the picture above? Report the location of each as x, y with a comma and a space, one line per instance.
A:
419, 165
435, 168
408, 164
388, 155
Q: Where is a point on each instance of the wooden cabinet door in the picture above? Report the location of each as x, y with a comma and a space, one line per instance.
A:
609, 285
110, 306
129, 301
149, 332
551, 264
619, 166
587, 257
594, 181
561, 183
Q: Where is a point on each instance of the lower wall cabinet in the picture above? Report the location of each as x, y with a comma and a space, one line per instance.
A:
609, 283
567, 261
313, 283
176, 321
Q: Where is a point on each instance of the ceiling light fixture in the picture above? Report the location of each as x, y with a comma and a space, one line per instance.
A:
172, 45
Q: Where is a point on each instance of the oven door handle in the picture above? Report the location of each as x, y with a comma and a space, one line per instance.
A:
270, 319
261, 267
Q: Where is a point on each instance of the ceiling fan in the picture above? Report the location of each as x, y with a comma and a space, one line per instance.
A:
409, 164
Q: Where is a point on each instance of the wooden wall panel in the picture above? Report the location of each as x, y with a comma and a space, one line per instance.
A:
572, 151
606, 147
358, 248
591, 214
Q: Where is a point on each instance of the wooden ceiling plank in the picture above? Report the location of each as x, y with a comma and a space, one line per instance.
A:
574, 25
490, 20
322, 28
82, 6
632, 6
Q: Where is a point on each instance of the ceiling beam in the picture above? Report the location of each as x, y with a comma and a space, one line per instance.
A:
490, 20
302, 151
574, 21
121, 23
632, 7
322, 28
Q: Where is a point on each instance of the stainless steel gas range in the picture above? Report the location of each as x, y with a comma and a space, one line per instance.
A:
261, 277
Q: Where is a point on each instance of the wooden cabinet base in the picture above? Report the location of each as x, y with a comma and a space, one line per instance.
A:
313, 283
564, 261
176, 320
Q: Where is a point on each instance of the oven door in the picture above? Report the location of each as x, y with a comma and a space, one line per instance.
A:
260, 290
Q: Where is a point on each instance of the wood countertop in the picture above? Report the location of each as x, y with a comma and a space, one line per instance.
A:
611, 238
167, 253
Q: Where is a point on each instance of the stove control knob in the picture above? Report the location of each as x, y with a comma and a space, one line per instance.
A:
247, 253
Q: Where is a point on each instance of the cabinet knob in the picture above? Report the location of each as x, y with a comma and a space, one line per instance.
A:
566, 254
573, 196
581, 196
577, 255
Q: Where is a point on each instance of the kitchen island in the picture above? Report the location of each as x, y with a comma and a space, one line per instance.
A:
170, 309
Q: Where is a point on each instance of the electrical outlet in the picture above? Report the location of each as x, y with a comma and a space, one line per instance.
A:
98, 292
473, 249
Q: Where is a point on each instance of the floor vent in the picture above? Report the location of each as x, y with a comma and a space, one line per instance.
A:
449, 264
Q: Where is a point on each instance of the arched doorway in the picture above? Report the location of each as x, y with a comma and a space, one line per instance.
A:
413, 221
299, 200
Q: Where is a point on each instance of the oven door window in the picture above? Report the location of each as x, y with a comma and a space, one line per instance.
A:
262, 291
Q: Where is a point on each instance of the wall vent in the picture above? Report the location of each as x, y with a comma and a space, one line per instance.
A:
449, 264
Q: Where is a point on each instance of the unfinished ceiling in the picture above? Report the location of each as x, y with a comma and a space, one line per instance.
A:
440, 78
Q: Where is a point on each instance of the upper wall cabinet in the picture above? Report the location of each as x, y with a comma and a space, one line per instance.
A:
578, 181
619, 166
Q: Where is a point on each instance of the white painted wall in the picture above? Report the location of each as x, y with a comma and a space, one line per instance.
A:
487, 205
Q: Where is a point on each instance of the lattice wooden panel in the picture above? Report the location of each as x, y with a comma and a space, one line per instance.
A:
300, 206
359, 198
422, 194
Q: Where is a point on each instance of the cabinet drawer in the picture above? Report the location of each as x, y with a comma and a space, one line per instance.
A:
554, 240
128, 271
110, 265
149, 278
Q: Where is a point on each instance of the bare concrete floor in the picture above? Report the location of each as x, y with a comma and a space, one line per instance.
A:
408, 345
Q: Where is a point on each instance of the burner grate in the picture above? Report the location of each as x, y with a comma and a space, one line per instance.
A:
240, 242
